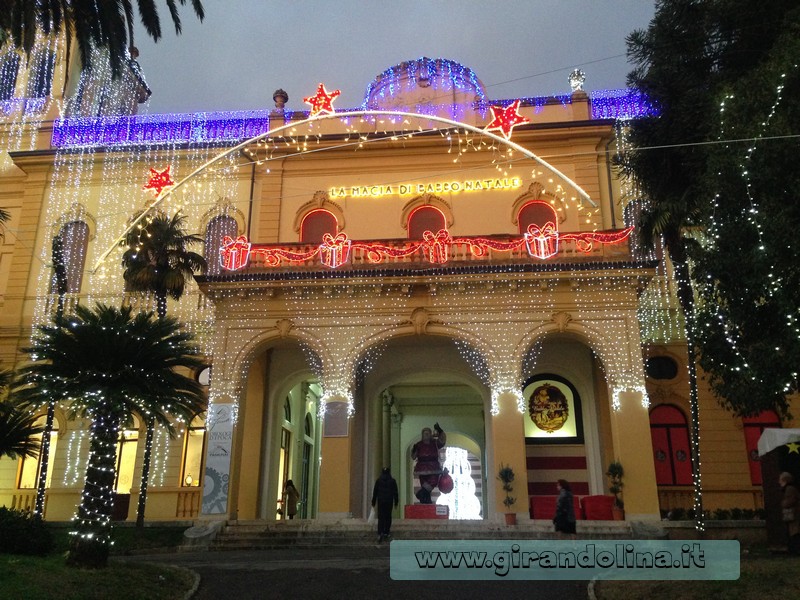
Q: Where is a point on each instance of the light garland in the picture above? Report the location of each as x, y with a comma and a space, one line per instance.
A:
115, 150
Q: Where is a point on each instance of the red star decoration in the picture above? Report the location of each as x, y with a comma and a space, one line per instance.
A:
159, 180
505, 119
323, 101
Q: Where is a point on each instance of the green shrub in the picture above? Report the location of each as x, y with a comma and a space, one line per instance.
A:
722, 514
737, 514
748, 513
677, 514
21, 533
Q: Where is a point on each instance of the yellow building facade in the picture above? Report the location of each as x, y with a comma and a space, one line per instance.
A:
432, 256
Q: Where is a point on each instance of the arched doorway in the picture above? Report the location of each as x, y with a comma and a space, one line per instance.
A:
567, 431
418, 381
280, 434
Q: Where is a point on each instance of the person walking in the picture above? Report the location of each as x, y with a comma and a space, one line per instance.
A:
292, 498
387, 497
565, 510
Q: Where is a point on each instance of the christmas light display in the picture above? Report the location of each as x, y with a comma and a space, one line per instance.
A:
235, 126
322, 102
505, 119
159, 180
210, 160
463, 502
542, 243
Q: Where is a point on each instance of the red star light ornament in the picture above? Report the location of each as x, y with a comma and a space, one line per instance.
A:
159, 180
505, 119
323, 101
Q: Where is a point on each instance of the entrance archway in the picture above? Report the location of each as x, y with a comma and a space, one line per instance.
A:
280, 434
418, 381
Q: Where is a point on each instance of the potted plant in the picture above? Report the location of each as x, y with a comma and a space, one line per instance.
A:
614, 474
506, 475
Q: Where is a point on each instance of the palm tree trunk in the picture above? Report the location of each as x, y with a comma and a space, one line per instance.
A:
44, 462
686, 299
161, 309
148, 447
90, 543
44, 456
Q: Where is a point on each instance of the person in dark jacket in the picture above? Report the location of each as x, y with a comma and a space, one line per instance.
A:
565, 510
386, 496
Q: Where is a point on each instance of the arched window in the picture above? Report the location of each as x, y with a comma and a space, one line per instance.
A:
32, 465
753, 428
287, 410
536, 213
126, 460
671, 451
40, 77
75, 240
9, 68
425, 218
193, 454
217, 229
309, 426
316, 224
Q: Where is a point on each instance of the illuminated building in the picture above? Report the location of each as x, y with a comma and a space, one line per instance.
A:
431, 256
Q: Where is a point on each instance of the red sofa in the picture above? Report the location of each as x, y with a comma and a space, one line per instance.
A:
544, 507
590, 508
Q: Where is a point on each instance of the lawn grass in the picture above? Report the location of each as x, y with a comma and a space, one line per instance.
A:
128, 540
35, 578
763, 575
31, 577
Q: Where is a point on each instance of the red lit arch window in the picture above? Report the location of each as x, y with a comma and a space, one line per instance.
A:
753, 428
316, 224
671, 450
425, 218
536, 213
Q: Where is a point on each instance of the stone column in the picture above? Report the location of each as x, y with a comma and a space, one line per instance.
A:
335, 457
508, 435
630, 431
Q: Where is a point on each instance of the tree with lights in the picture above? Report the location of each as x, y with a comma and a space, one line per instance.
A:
108, 365
158, 260
94, 24
61, 286
672, 67
691, 52
748, 267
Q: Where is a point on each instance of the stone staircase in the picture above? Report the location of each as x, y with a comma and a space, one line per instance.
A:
352, 533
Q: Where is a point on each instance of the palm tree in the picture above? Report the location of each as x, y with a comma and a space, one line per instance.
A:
94, 24
157, 260
107, 365
60, 279
18, 430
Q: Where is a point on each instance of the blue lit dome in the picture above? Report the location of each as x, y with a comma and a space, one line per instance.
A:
424, 81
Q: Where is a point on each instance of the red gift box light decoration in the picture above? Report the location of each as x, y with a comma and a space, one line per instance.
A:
436, 246
334, 251
542, 242
234, 254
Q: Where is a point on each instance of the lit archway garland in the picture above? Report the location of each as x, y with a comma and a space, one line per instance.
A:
319, 117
